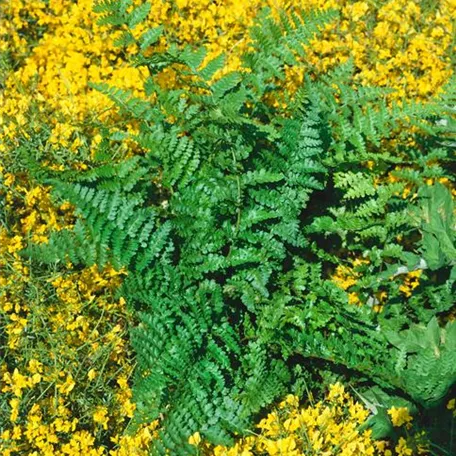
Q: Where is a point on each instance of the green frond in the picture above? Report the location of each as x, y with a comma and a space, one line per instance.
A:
235, 216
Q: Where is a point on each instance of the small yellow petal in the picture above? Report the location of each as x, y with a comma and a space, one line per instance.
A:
195, 439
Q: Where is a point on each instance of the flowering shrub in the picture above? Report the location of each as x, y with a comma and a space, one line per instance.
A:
67, 363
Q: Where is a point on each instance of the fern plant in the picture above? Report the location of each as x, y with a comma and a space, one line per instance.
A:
223, 221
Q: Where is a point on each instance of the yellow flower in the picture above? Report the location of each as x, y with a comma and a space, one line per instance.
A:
9, 179
14, 404
35, 367
35, 378
270, 425
358, 413
290, 400
15, 244
17, 433
399, 416
128, 407
66, 387
17, 382
336, 392
91, 374
285, 446
411, 281
182, 3
358, 10
353, 298
402, 449
100, 416
195, 439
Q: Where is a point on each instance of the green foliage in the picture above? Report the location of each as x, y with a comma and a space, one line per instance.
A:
232, 220
379, 402
439, 233
426, 360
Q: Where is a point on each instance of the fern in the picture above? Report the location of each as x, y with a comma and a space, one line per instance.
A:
223, 224
114, 12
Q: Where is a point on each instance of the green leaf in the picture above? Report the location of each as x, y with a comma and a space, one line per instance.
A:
433, 335
193, 58
125, 39
380, 424
150, 37
212, 67
224, 84
138, 15
438, 226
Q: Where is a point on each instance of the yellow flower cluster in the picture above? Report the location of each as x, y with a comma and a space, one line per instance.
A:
327, 428
403, 44
73, 50
330, 427
66, 363
35, 214
345, 276
399, 416
410, 282
398, 43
